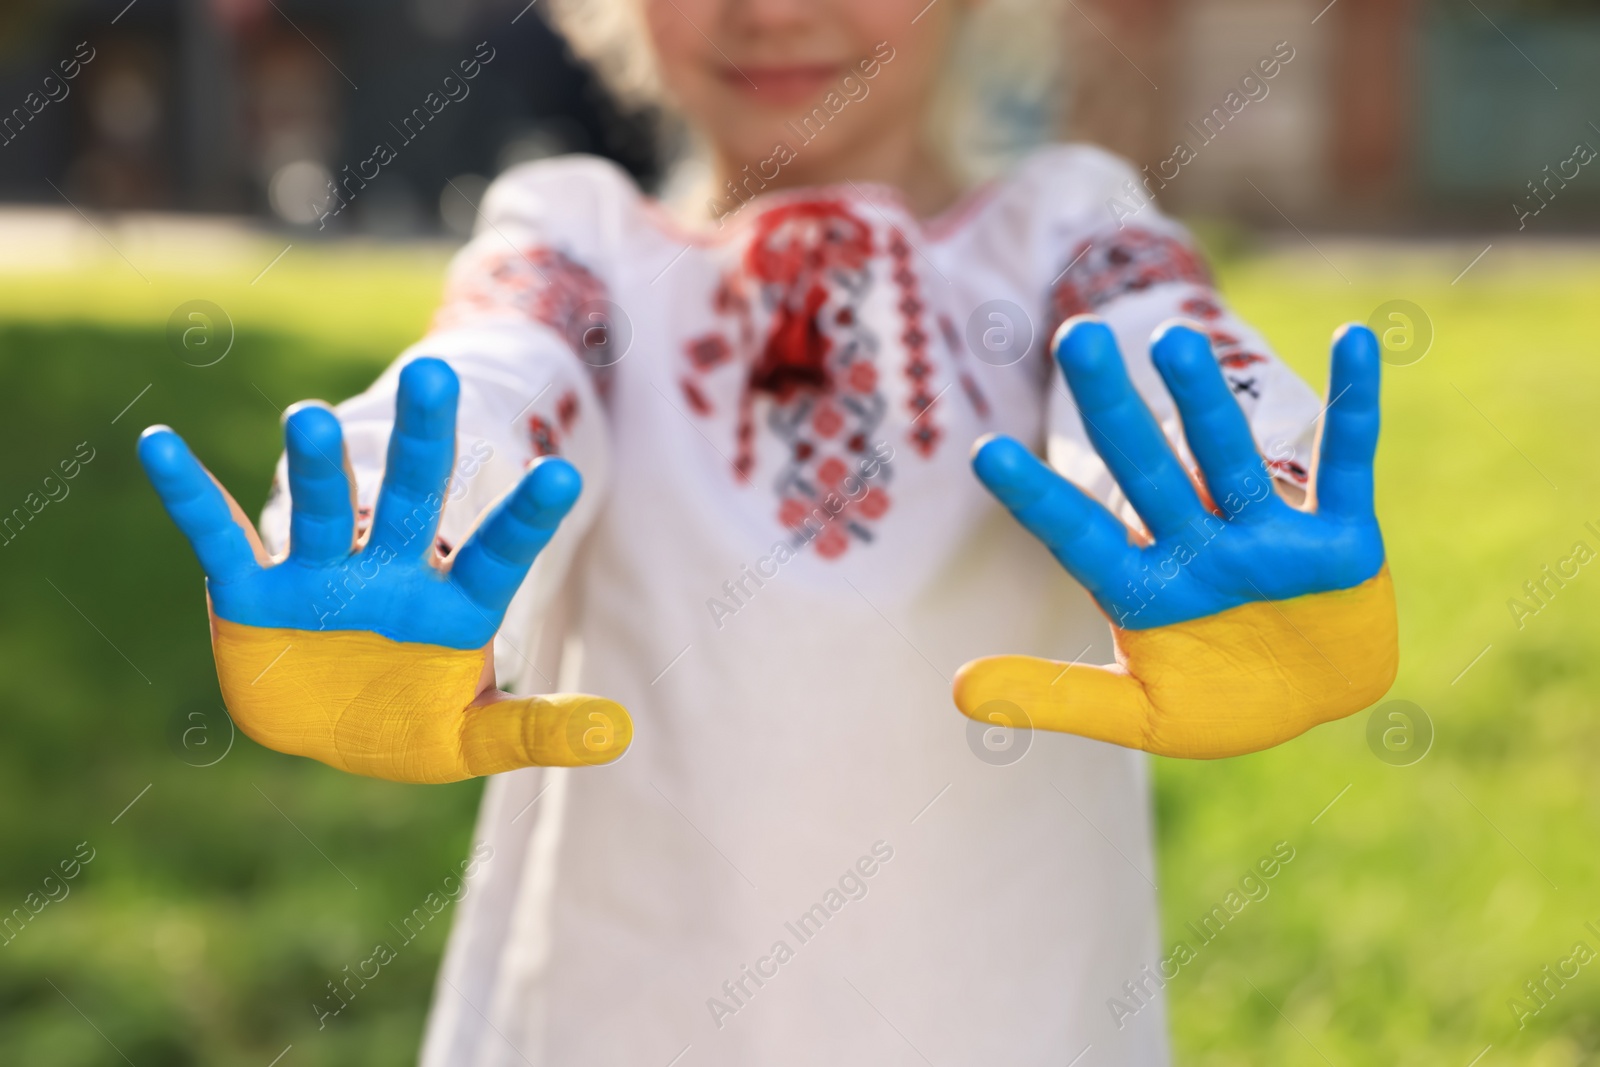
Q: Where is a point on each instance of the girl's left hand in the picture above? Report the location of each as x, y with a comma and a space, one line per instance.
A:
1241, 621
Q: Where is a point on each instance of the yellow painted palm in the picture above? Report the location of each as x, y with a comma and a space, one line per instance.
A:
396, 683
1241, 621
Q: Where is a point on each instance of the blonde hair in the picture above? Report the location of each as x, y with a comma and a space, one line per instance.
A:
1000, 95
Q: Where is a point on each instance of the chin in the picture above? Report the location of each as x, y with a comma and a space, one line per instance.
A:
748, 138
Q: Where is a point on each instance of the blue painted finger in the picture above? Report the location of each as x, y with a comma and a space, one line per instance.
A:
1122, 429
1213, 424
1088, 540
491, 565
422, 448
321, 521
197, 505
1350, 427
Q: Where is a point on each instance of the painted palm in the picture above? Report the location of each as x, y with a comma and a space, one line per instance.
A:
1240, 621
394, 681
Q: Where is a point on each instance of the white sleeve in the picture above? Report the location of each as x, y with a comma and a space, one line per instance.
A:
1110, 252
518, 325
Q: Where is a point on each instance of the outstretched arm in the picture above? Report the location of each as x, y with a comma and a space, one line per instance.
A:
397, 683
1240, 621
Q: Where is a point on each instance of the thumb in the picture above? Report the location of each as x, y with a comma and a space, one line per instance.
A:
1100, 703
503, 733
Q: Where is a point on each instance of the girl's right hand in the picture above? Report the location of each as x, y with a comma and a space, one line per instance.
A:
395, 682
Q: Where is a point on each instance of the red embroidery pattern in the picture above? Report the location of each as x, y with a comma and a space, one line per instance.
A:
795, 250
538, 283
567, 410
545, 438
697, 400
1202, 307
542, 436
811, 366
924, 434
1235, 359
1231, 353
1106, 267
708, 352
549, 287
568, 285
1132, 260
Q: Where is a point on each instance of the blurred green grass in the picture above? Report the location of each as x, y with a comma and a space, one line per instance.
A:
1420, 903
1415, 907
209, 919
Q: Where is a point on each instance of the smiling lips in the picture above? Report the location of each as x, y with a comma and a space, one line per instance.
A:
782, 84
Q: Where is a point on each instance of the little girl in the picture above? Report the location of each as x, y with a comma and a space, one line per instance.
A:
780, 560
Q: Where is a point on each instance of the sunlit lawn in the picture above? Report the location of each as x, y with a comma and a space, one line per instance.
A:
1415, 908
1419, 904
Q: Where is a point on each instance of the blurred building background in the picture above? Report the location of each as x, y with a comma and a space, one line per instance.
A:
251, 106
1399, 114
1392, 114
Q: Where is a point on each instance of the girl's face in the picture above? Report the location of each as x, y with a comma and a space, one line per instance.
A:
832, 80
